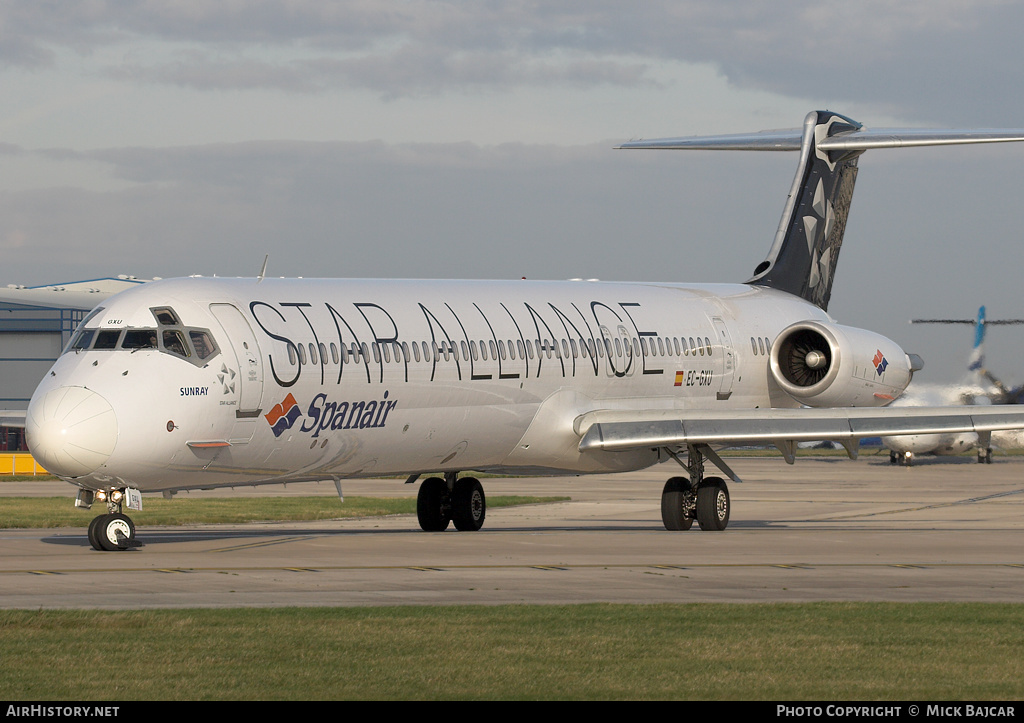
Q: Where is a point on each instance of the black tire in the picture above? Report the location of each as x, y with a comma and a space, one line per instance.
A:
674, 508
433, 505
115, 532
94, 538
469, 505
713, 504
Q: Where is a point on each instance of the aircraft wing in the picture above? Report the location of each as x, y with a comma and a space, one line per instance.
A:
82, 295
12, 418
620, 430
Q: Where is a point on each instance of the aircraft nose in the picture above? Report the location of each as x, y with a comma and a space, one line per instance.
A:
71, 430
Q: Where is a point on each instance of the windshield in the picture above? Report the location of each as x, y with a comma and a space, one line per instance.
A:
169, 337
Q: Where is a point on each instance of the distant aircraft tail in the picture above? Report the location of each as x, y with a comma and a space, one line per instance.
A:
976, 361
803, 256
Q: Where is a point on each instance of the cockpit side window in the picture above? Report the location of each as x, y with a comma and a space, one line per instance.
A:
174, 342
202, 342
82, 337
194, 344
82, 340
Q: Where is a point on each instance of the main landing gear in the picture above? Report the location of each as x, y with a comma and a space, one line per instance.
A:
114, 530
903, 458
696, 497
441, 501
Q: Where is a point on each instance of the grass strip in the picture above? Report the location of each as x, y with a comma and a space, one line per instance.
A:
821, 651
50, 512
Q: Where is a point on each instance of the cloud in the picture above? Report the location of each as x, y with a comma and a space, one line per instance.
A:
460, 210
407, 71
88, 78
916, 58
368, 209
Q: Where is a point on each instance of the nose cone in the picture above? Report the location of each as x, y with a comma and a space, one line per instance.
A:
71, 431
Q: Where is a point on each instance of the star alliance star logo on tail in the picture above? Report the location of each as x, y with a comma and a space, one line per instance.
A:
880, 362
283, 415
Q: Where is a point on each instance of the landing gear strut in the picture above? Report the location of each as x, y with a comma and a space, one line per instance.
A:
705, 499
114, 530
905, 458
441, 501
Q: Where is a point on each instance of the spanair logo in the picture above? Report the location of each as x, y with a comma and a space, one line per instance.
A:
880, 362
283, 415
323, 415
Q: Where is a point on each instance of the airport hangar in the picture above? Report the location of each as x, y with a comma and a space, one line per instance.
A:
36, 324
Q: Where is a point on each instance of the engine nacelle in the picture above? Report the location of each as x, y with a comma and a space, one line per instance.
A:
826, 365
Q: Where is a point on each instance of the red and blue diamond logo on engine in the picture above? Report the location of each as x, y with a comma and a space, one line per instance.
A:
880, 362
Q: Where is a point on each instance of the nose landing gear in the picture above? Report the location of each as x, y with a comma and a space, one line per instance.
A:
111, 532
114, 530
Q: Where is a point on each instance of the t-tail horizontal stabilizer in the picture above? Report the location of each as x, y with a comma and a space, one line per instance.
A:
803, 256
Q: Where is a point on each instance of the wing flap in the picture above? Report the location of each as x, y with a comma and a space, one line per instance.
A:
620, 430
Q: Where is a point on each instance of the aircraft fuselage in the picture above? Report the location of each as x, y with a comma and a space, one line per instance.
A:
320, 379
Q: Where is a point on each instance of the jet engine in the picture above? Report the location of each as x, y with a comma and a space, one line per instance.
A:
826, 365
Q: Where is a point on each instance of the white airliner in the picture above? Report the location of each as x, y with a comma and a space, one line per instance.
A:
980, 387
210, 382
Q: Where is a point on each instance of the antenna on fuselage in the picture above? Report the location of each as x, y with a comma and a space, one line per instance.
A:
263, 271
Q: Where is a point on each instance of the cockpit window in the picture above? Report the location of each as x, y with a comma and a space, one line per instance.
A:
192, 344
82, 340
202, 343
174, 342
139, 339
166, 317
107, 339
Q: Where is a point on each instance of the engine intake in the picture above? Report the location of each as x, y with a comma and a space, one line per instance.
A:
827, 365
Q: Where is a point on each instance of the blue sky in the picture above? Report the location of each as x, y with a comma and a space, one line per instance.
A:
474, 140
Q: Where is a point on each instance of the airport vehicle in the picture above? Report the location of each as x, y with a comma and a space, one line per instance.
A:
215, 382
979, 387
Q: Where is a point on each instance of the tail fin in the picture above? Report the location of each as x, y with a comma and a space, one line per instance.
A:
802, 259
976, 362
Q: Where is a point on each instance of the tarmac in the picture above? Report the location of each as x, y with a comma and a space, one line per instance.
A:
825, 529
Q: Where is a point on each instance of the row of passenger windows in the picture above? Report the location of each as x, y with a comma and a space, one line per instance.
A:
490, 349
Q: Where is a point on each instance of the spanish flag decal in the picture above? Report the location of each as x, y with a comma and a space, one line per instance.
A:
679, 379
